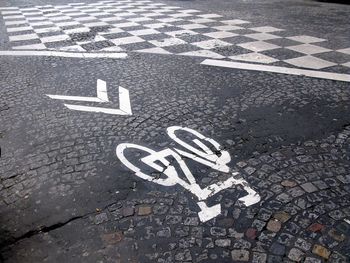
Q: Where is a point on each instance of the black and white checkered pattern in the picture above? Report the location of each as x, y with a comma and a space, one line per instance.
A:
146, 26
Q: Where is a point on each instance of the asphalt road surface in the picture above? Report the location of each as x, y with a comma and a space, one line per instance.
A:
174, 131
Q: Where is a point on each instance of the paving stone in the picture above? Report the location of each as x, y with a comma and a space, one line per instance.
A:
292, 228
218, 231
259, 257
183, 256
240, 255
278, 249
338, 258
226, 222
288, 183
316, 227
274, 259
182, 231
343, 227
208, 242
302, 244
100, 218
251, 233
173, 219
258, 224
191, 221
340, 237
295, 255
223, 242
285, 238
309, 187
145, 210
312, 260
160, 209
266, 237
282, 216
233, 233
112, 238
274, 225
128, 211
165, 232
321, 251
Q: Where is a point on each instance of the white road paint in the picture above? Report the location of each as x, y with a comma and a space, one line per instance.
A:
102, 97
277, 69
62, 54
200, 153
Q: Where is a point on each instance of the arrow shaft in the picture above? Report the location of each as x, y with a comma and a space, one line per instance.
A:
75, 98
96, 109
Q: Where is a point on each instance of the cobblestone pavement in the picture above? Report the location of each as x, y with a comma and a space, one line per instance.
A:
65, 196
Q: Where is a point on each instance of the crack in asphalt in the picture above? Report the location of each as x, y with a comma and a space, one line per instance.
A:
45, 229
42, 229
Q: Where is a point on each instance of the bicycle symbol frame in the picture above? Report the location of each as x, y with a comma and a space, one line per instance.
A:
204, 155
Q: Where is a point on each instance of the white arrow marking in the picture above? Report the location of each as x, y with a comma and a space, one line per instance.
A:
102, 97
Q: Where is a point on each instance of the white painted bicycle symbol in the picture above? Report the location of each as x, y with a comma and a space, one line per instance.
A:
217, 159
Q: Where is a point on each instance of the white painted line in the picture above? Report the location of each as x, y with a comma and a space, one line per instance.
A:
277, 69
74, 98
23, 37
102, 90
57, 38
96, 109
102, 97
18, 29
124, 101
33, 46
62, 54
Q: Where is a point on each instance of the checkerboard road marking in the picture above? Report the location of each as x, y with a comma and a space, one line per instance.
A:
149, 27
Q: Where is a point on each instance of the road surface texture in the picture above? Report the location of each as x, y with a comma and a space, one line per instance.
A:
174, 131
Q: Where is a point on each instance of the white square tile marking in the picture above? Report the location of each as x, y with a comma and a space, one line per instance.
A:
202, 20
209, 16
127, 40
254, 57
220, 34
167, 42
266, 29
193, 26
144, 32
210, 44
181, 33
31, 47
54, 38
344, 50
203, 53
306, 39
258, 46
309, 62
234, 22
228, 28
308, 49
154, 50
18, 29
23, 37
262, 36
